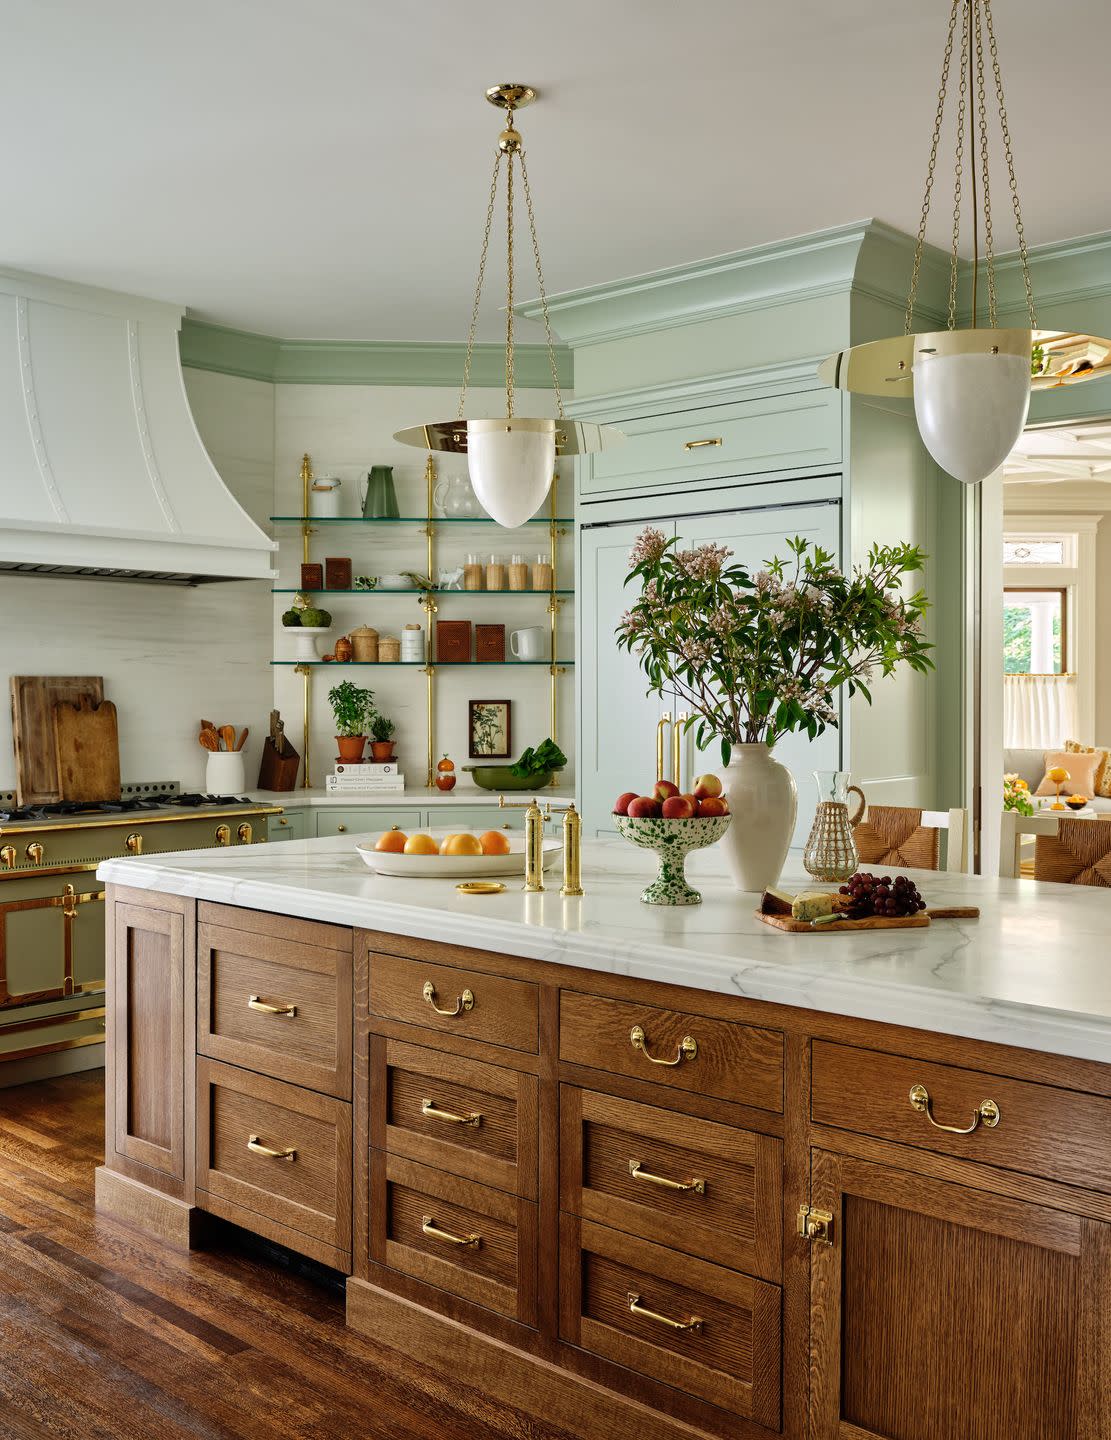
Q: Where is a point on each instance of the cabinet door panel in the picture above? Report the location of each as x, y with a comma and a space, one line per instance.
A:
944, 1313
364, 820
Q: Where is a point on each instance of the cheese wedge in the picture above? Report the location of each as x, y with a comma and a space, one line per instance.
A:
809, 905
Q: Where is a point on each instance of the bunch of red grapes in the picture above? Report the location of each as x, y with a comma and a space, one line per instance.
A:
881, 895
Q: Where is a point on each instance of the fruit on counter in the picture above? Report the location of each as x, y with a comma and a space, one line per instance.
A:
693, 799
462, 844
713, 805
707, 787
622, 803
445, 774
494, 842
644, 807
678, 807
420, 845
881, 895
664, 790
394, 842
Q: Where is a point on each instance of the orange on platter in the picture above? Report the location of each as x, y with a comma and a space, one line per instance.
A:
420, 845
494, 842
393, 841
464, 844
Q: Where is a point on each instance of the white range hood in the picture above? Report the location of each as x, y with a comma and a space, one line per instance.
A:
102, 472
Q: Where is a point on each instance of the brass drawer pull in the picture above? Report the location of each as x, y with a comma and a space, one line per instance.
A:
256, 1147
987, 1112
701, 444
462, 1002
688, 1047
433, 1111
694, 1324
696, 1183
254, 1003
433, 1231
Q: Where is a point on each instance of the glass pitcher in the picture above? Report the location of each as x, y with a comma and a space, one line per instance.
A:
830, 852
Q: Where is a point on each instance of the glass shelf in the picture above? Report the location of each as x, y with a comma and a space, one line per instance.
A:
420, 664
413, 520
302, 590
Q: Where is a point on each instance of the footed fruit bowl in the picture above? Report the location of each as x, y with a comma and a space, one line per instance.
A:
673, 841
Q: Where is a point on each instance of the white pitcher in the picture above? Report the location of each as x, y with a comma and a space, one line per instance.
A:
528, 644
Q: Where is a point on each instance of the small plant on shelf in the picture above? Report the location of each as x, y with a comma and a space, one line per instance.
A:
353, 710
381, 728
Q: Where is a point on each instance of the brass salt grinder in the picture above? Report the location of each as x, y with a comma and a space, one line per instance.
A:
534, 843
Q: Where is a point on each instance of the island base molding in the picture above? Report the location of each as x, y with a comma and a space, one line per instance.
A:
172, 1221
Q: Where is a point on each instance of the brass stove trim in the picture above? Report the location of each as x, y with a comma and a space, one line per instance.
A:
133, 818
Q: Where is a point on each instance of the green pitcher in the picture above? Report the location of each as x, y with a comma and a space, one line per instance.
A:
380, 498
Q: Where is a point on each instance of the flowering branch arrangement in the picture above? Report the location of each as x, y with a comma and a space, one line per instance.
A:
756, 656
1016, 795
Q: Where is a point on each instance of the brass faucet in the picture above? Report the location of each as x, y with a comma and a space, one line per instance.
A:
534, 843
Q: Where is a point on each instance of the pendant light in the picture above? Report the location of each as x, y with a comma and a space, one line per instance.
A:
971, 386
511, 458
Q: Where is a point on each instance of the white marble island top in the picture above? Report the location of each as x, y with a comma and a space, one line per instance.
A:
1034, 970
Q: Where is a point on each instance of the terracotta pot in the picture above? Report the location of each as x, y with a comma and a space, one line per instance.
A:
351, 747
382, 750
763, 801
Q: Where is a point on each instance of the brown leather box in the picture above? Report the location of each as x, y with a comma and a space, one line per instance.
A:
489, 642
312, 576
337, 572
453, 640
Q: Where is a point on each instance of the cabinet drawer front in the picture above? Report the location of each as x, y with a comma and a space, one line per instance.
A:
1041, 1130
309, 1192
728, 1060
707, 1331
745, 438
622, 1164
478, 1006
247, 985
468, 1118
477, 1243
475, 817
364, 820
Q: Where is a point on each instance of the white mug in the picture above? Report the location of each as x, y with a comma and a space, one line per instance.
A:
528, 644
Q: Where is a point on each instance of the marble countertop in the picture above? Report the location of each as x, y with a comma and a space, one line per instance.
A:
465, 793
1032, 971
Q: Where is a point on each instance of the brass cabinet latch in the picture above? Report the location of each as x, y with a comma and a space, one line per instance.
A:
816, 1225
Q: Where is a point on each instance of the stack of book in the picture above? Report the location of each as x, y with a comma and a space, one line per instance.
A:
365, 778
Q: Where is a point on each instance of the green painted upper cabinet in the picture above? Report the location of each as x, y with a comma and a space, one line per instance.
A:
799, 431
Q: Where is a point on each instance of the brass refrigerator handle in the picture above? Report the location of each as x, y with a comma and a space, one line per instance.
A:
678, 731
661, 744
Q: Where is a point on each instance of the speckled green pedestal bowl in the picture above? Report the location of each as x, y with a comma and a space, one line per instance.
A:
673, 841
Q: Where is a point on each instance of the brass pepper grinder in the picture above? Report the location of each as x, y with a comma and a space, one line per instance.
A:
534, 840
572, 847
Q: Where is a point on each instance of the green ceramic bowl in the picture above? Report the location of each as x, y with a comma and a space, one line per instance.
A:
501, 777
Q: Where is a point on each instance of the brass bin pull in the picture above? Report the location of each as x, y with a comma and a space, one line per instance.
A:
434, 1232
254, 1003
702, 444
462, 1002
256, 1147
688, 1047
694, 1324
433, 1111
987, 1113
696, 1183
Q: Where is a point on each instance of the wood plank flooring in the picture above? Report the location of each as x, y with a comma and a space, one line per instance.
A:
108, 1335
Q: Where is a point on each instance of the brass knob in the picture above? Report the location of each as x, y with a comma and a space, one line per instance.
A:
134, 843
223, 835
341, 829
245, 833
283, 821
7, 857
35, 853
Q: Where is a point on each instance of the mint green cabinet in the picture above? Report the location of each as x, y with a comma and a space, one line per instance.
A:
293, 824
365, 819
478, 817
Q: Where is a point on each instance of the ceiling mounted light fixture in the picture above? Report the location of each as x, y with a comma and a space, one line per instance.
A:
971, 386
511, 458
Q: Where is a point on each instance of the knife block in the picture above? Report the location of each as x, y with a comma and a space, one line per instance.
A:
278, 771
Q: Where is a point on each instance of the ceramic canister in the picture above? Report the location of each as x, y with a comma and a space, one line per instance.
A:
412, 643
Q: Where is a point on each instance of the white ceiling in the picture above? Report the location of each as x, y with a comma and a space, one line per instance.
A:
320, 167
1061, 454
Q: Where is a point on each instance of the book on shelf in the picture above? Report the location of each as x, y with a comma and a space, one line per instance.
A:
366, 768
341, 785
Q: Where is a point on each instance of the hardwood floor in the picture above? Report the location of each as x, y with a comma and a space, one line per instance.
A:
107, 1335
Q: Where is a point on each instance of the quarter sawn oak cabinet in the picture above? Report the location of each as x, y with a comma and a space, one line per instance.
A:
633, 1209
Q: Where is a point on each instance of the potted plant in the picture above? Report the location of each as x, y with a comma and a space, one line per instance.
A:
352, 708
756, 656
381, 728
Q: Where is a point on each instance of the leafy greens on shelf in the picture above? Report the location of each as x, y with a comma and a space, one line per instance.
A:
546, 756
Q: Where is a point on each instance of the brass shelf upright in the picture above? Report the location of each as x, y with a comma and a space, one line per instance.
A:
429, 606
554, 604
305, 671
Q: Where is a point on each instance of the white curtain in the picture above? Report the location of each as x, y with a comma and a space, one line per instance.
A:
1039, 711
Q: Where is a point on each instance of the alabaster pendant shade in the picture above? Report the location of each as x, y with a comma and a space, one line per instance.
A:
971, 409
511, 468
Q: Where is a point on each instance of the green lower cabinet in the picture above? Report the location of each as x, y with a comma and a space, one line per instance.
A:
293, 825
476, 817
365, 819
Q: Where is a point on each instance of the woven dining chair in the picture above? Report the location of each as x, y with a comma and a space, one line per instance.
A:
901, 835
1078, 854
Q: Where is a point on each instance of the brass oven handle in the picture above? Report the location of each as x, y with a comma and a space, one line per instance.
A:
256, 1147
134, 843
434, 1232
254, 1003
36, 853
694, 1324
223, 835
462, 1002
245, 833
695, 1183
987, 1112
7, 857
433, 1111
661, 744
69, 902
688, 1047
701, 444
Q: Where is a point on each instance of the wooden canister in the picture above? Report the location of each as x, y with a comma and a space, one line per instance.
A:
389, 648
542, 573
474, 574
345, 650
495, 574
518, 573
364, 641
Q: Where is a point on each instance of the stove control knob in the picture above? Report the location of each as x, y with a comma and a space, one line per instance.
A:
134, 843
7, 857
245, 833
223, 834
35, 853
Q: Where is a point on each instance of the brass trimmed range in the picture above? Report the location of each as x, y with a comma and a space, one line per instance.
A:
730, 1243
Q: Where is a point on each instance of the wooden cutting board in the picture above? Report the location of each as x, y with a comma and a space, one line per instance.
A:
88, 748
36, 759
873, 922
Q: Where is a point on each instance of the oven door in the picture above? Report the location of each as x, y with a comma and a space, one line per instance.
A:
51, 940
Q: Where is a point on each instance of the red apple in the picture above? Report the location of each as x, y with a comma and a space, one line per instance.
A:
678, 807
664, 790
644, 807
694, 802
707, 787
712, 805
622, 803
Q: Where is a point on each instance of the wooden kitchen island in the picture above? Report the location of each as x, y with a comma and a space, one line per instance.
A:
642, 1172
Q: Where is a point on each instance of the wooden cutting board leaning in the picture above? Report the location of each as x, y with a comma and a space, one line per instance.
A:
86, 741
36, 758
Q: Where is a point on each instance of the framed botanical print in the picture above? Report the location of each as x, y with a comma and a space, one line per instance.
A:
489, 729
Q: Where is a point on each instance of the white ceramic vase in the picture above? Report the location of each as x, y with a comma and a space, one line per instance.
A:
763, 802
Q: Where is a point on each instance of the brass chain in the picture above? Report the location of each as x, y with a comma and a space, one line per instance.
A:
509, 280
939, 117
540, 282
982, 113
962, 110
478, 286
1023, 255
